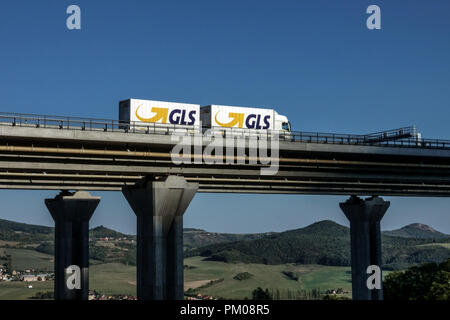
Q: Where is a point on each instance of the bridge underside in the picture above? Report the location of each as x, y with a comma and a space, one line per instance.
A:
48, 159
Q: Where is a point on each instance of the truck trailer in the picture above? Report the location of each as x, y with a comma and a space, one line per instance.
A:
160, 116
242, 120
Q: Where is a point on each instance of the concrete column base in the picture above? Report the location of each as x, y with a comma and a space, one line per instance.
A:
365, 216
71, 212
159, 207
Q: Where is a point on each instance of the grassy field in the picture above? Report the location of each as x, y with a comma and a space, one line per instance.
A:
326, 277
265, 276
110, 279
115, 278
437, 244
30, 259
19, 290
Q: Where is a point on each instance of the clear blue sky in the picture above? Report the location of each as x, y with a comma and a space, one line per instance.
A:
313, 60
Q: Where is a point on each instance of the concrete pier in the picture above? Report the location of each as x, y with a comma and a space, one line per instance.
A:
365, 216
71, 213
159, 207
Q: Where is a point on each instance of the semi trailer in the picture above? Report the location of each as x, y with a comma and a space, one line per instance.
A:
243, 120
170, 116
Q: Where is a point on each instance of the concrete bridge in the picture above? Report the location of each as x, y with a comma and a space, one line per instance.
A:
76, 155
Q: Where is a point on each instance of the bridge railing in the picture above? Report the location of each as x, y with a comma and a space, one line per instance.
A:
365, 140
402, 137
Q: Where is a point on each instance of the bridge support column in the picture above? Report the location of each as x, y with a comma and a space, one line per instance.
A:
159, 207
365, 216
71, 212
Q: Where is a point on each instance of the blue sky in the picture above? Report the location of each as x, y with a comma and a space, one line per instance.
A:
313, 61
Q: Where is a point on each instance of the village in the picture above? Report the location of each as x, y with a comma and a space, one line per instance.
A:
27, 275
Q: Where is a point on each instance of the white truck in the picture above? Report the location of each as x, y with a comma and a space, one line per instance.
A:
160, 116
243, 120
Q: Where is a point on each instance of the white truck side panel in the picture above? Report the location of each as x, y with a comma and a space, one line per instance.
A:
238, 117
160, 112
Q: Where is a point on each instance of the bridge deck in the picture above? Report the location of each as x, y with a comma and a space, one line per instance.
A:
50, 156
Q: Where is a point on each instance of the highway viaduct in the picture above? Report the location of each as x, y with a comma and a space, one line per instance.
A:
76, 155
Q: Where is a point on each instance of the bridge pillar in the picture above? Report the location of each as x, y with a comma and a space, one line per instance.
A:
159, 207
365, 216
71, 212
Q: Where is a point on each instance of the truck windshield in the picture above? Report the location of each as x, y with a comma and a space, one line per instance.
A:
285, 126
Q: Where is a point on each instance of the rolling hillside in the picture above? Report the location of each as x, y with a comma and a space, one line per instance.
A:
416, 230
325, 243
193, 238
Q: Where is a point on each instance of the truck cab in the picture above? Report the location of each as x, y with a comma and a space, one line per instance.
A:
283, 126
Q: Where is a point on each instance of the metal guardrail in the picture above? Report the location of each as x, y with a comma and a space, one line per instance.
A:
396, 134
402, 137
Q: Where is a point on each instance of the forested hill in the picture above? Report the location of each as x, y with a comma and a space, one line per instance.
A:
194, 238
27, 233
416, 230
11, 226
22, 232
324, 242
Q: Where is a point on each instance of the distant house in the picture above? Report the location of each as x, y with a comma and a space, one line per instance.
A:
28, 278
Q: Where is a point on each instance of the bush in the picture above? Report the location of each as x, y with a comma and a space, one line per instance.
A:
98, 253
260, 294
186, 267
43, 295
427, 282
334, 297
46, 247
243, 276
291, 275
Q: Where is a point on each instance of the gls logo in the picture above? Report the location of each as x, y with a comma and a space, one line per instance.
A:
253, 121
176, 116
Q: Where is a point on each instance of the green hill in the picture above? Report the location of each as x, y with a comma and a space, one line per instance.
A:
102, 232
416, 230
11, 226
22, 232
325, 243
194, 238
28, 233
